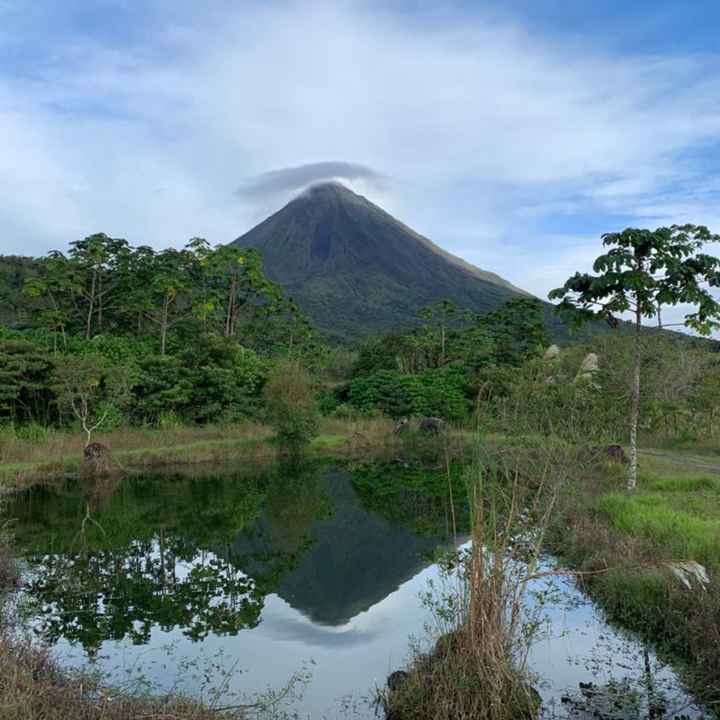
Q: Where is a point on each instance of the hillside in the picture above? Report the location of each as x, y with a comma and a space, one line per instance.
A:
356, 270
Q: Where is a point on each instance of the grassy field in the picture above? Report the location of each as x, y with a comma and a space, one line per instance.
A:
27, 458
628, 543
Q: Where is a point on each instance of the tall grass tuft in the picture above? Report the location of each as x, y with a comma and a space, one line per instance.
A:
478, 666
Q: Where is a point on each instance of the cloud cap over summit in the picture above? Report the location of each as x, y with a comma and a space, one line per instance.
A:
296, 178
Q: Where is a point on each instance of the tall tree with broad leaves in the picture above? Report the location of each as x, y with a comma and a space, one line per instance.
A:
96, 259
58, 286
239, 286
441, 315
169, 300
642, 271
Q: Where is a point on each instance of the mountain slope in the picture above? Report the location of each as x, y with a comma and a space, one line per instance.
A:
356, 270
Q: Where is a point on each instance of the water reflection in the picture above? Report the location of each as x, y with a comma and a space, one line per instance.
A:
115, 562
270, 568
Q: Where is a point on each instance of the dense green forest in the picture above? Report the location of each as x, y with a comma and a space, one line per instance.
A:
115, 334
110, 335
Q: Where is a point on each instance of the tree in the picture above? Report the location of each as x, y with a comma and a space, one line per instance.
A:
24, 373
135, 281
440, 314
172, 278
88, 388
95, 260
291, 404
644, 270
238, 284
56, 284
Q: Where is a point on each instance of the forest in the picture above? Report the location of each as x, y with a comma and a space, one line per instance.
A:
111, 335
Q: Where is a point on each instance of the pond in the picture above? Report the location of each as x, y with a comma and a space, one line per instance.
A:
300, 583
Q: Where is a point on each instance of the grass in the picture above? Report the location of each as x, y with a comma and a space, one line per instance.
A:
624, 542
25, 459
677, 534
477, 669
34, 687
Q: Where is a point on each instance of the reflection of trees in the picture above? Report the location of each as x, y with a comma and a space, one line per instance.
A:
200, 554
414, 495
295, 500
155, 553
95, 595
348, 557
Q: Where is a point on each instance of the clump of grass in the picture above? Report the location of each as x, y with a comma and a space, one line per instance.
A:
478, 667
33, 686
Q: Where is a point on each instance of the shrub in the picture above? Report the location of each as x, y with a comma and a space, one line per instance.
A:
291, 404
438, 392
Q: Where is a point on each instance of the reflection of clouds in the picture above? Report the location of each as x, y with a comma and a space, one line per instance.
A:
294, 627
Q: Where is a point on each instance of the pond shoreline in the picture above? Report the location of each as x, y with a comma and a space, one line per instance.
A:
60, 454
587, 542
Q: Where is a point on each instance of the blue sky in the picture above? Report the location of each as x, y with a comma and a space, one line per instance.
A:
511, 133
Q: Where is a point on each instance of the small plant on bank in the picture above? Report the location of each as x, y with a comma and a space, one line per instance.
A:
292, 408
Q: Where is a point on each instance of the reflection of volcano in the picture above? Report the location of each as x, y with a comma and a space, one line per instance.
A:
348, 561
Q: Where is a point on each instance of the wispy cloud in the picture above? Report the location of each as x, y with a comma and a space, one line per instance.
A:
295, 178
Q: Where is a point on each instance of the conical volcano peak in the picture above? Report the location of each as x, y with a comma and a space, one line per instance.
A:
333, 186
330, 190
356, 270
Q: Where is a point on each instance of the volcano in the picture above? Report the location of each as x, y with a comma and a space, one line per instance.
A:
356, 270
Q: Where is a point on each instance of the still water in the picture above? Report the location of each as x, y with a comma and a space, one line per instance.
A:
298, 583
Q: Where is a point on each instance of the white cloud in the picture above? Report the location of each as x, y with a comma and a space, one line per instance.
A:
483, 130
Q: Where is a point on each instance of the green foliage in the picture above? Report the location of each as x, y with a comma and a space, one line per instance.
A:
225, 378
91, 390
438, 392
506, 336
644, 270
105, 287
25, 372
291, 403
116, 349
414, 495
163, 386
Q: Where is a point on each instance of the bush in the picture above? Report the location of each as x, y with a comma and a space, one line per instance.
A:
226, 379
440, 392
291, 404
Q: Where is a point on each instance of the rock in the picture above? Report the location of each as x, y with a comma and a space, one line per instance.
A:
590, 364
552, 353
615, 453
431, 425
601, 453
402, 425
396, 679
97, 457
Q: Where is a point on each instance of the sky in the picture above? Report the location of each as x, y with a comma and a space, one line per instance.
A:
511, 133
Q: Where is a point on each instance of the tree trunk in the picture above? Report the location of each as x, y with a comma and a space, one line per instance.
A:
100, 305
230, 309
442, 343
91, 302
635, 406
164, 325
